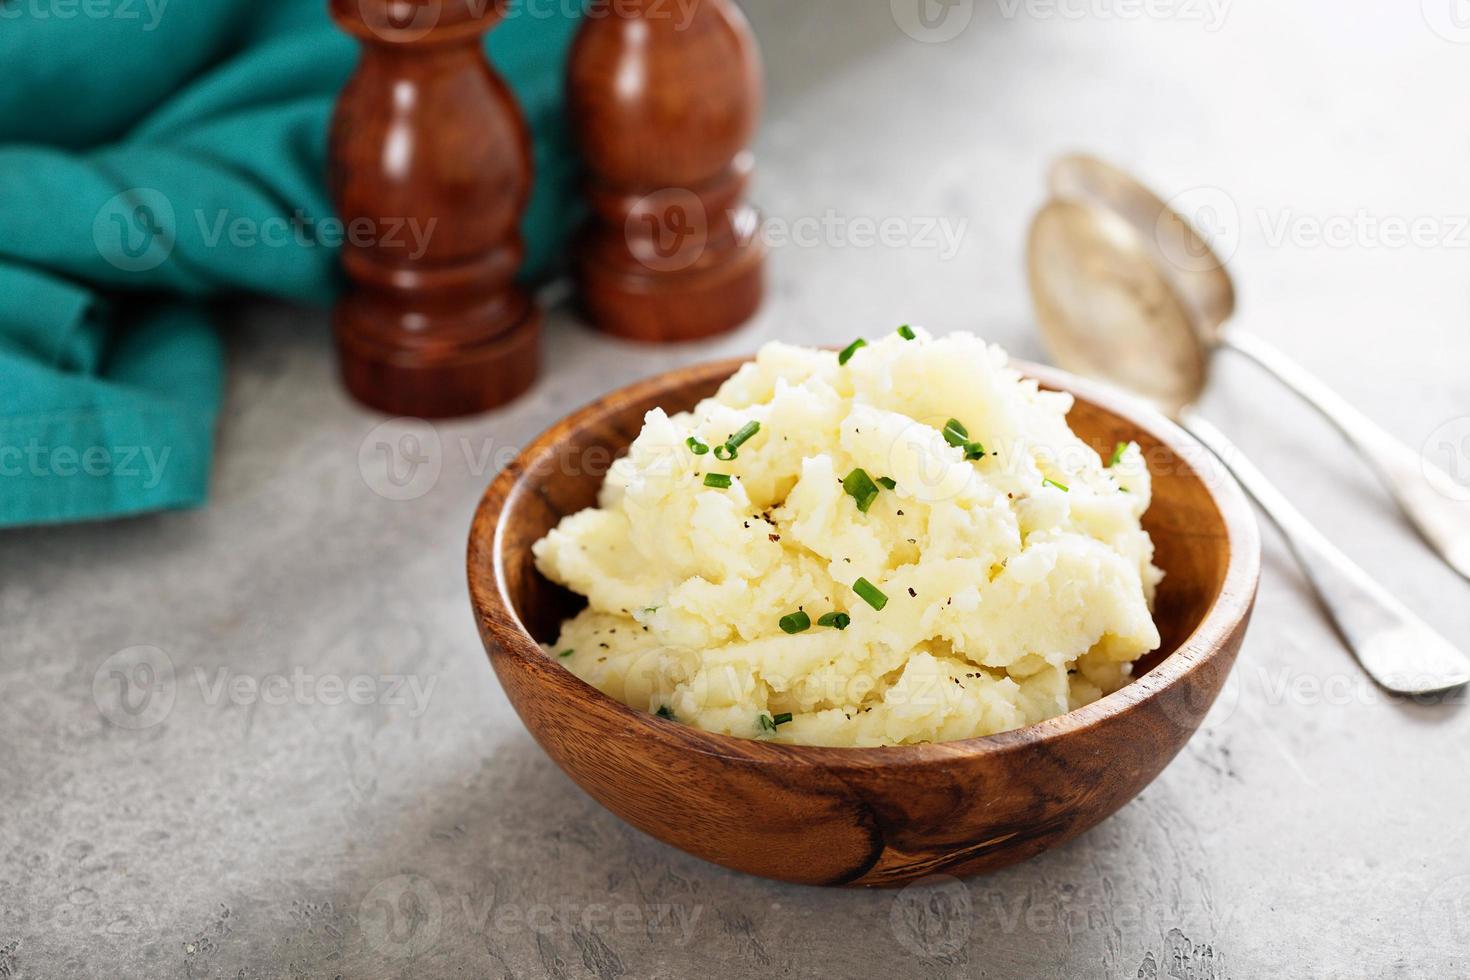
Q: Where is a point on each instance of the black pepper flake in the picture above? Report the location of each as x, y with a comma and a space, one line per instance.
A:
774, 537
913, 594
900, 513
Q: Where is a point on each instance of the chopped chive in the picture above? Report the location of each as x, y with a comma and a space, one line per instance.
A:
1060, 486
697, 447
870, 594
958, 436
850, 350
784, 718
906, 332
665, 711
766, 723
797, 622
565, 654
887, 483
861, 488
731, 449
835, 620
1117, 456
746, 433
720, 481
955, 433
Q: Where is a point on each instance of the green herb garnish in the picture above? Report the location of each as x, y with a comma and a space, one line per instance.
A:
835, 620
697, 447
870, 594
958, 436
906, 332
797, 622
887, 483
1060, 486
850, 350
731, 449
720, 481
861, 488
565, 654
746, 433
665, 711
769, 724
1117, 456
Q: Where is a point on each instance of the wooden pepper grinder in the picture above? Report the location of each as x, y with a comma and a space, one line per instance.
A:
664, 99
430, 172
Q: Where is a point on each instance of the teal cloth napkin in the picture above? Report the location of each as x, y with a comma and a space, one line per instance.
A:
155, 155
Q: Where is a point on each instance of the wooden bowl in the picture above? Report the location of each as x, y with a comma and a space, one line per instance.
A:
872, 816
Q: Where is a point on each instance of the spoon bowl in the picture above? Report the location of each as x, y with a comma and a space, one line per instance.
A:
870, 816
1127, 291
1108, 310
1195, 273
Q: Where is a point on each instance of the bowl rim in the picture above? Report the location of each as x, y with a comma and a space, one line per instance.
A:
1228, 612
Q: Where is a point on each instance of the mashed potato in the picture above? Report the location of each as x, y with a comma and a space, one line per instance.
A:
911, 546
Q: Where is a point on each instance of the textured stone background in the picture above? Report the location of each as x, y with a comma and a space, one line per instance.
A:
1306, 831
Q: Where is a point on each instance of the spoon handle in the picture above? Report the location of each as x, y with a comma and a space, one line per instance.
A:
1427, 495
1401, 652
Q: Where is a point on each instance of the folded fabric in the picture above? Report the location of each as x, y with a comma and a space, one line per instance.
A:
155, 155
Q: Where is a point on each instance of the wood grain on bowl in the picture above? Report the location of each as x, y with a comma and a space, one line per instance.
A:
880, 816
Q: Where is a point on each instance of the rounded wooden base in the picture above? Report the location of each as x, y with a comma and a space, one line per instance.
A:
461, 366
621, 296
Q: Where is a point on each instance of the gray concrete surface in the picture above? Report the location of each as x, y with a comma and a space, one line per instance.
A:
221, 823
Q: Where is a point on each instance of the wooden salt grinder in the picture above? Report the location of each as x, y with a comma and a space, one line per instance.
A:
664, 99
431, 164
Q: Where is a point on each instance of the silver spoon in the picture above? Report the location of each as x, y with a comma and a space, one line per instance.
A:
1107, 309
1199, 280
